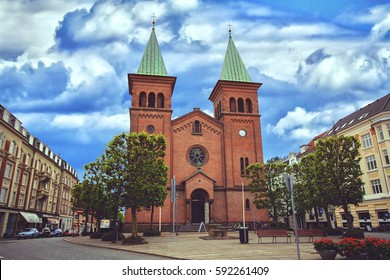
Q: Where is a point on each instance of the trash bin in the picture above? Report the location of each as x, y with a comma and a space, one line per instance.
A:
244, 238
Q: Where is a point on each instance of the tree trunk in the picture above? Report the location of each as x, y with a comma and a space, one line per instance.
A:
134, 230
86, 222
317, 218
114, 222
91, 227
151, 217
329, 224
348, 216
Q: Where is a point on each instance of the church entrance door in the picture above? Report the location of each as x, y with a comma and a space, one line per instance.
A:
198, 203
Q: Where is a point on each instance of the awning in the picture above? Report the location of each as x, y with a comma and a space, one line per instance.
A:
31, 217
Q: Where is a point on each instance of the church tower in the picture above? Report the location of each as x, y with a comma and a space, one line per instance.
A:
151, 90
235, 101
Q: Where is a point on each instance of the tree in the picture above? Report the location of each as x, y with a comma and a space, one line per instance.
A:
134, 164
268, 188
340, 171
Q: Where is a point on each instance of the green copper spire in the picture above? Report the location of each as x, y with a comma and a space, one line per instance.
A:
152, 62
233, 68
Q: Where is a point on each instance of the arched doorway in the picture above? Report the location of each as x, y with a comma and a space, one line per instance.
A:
199, 207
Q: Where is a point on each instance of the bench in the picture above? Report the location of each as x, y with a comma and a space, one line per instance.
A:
311, 233
272, 233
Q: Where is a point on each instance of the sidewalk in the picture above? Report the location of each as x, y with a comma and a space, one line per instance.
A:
190, 247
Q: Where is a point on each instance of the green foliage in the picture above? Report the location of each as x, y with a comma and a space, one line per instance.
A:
268, 188
108, 236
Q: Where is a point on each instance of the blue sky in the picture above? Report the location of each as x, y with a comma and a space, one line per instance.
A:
64, 63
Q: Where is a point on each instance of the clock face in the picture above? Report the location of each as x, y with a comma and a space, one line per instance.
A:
242, 132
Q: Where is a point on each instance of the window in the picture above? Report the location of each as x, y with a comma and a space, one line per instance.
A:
232, 104
247, 204
244, 163
142, 99
3, 195
13, 197
21, 200
380, 133
25, 176
366, 140
152, 100
240, 103
388, 129
160, 100
386, 156
371, 162
376, 186
248, 104
197, 156
196, 127
32, 202
12, 148
8, 169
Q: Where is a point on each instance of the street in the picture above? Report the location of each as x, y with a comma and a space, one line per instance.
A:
58, 249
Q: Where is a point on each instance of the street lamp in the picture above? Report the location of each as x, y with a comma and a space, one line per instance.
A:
289, 181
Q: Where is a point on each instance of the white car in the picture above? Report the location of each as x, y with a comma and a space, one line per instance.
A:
28, 233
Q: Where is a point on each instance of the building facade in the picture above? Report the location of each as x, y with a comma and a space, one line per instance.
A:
371, 125
206, 155
35, 184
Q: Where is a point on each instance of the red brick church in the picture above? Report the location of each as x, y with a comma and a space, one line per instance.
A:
206, 155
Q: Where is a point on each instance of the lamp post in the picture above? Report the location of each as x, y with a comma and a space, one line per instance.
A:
289, 181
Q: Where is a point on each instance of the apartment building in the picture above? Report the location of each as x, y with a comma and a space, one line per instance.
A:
35, 183
371, 125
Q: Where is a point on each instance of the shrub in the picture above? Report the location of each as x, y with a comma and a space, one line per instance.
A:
351, 247
108, 236
133, 240
333, 231
151, 233
354, 233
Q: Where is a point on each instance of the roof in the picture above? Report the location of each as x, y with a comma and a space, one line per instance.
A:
309, 147
233, 67
152, 62
380, 105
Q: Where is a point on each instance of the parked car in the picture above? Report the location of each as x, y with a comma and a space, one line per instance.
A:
28, 233
56, 232
45, 232
70, 232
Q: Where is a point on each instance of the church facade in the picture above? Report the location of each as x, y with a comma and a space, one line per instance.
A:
207, 156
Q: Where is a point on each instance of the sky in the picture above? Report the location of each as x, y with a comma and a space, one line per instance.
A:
64, 63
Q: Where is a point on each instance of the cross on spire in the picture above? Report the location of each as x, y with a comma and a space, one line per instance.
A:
153, 21
230, 30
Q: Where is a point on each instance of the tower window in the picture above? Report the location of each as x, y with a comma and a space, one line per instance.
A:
232, 104
247, 204
197, 129
160, 100
152, 100
142, 99
240, 102
248, 104
244, 163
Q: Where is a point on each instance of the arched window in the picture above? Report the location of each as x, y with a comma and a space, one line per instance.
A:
232, 104
240, 102
244, 163
152, 100
248, 105
142, 99
160, 100
197, 127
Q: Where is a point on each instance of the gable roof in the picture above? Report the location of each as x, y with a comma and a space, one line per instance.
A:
380, 105
233, 67
152, 62
196, 111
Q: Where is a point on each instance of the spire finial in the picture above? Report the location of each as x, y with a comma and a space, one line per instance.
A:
230, 30
153, 21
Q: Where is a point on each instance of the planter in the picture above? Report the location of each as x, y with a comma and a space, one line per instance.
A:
357, 256
328, 254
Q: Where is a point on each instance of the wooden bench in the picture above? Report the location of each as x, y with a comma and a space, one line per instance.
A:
311, 233
272, 233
